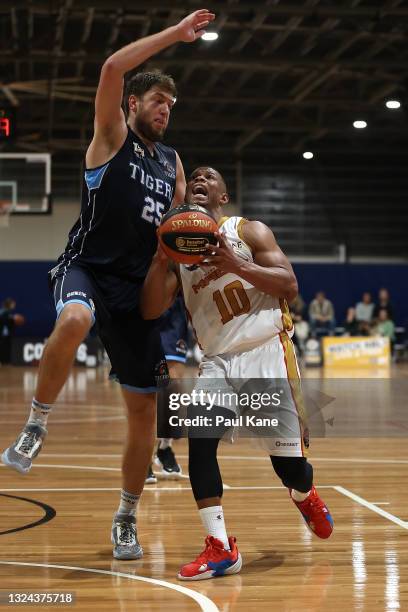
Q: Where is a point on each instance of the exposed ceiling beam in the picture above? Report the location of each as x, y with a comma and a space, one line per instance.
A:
87, 26
86, 94
299, 92
253, 155
306, 86
283, 8
313, 37
11, 97
117, 19
185, 123
251, 28
213, 60
292, 25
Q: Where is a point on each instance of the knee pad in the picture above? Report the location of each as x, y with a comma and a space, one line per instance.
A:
294, 472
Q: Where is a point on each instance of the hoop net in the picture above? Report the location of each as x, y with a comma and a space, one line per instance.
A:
5, 210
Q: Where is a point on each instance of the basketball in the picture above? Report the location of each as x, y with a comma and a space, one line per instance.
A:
185, 233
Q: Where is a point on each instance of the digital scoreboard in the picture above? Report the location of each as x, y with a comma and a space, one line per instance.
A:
7, 124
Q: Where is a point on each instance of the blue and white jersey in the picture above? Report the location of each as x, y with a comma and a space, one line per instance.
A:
122, 204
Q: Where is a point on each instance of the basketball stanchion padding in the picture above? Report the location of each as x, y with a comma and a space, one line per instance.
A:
5, 210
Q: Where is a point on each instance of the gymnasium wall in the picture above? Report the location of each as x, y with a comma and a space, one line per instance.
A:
315, 207
26, 281
37, 237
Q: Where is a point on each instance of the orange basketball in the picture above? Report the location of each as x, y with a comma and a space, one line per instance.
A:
185, 233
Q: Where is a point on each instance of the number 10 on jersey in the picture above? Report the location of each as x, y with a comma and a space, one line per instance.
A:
232, 301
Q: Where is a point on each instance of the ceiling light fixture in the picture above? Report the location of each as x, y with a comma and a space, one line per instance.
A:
360, 125
393, 104
308, 155
210, 36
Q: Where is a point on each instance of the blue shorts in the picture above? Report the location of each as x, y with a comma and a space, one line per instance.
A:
174, 332
132, 344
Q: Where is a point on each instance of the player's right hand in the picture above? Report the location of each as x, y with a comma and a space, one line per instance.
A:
192, 27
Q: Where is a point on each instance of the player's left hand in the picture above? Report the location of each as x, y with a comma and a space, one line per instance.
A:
222, 256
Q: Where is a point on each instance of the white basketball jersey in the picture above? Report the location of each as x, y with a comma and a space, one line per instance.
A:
227, 312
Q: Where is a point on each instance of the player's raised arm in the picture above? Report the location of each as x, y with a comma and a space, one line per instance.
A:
160, 287
271, 271
109, 117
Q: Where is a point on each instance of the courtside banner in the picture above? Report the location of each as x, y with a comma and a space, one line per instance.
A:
353, 352
27, 351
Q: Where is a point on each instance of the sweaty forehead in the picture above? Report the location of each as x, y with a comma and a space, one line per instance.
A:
205, 170
156, 89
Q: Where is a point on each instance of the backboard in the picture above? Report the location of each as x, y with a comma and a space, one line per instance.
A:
25, 182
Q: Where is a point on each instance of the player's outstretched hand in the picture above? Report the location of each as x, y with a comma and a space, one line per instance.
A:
222, 256
192, 27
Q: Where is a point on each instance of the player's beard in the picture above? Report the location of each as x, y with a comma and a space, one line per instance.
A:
148, 131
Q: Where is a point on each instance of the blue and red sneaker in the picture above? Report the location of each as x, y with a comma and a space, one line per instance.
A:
316, 514
213, 561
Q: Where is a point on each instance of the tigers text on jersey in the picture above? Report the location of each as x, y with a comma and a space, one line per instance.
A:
227, 312
122, 204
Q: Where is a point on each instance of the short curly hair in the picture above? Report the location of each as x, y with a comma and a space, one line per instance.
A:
141, 82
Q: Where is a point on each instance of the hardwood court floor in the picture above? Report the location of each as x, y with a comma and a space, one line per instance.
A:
363, 567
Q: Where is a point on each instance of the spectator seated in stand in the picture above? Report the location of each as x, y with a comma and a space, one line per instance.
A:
351, 325
384, 327
321, 316
383, 303
364, 314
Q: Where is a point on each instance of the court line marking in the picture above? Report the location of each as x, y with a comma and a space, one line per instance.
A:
312, 459
363, 502
359, 460
63, 405
204, 602
238, 457
150, 488
82, 455
73, 406
76, 467
79, 420
88, 467
160, 476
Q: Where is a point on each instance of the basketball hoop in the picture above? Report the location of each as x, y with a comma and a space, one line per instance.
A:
5, 210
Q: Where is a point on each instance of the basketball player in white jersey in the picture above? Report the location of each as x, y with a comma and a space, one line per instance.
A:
237, 302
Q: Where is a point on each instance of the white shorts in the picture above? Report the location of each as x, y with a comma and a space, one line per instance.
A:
262, 386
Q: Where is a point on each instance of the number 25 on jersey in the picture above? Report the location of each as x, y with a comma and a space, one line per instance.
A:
152, 210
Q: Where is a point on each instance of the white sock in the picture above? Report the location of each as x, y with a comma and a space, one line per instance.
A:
39, 413
128, 503
165, 443
213, 520
299, 496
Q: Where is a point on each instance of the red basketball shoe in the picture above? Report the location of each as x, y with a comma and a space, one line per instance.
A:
316, 514
213, 561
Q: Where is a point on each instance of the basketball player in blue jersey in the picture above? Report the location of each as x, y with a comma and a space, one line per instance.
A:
131, 179
236, 299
